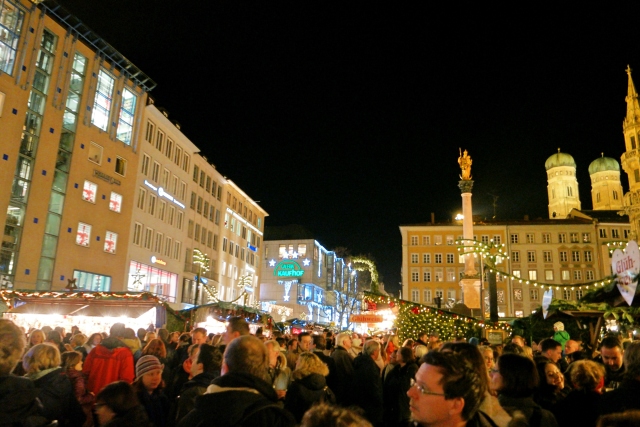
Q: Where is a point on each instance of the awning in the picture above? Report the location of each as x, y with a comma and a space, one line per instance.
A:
130, 311
60, 309
95, 308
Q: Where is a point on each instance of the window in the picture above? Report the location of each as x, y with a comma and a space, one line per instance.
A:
11, 19
196, 234
450, 240
577, 274
548, 275
566, 275
177, 246
215, 242
170, 215
151, 208
439, 275
566, 293
517, 294
589, 275
562, 237
438, 258
563, 256
546, 238
415, 275
165, 178
177, 158
575, 238
578, 293
515, 256
414, 240
199, 207
437, 240
501, 297
586, 237
169, 149
414, 258
531, 256
575, 256
451, 294
569, 191
514, 238
426, 258
142, 194
137, 233
615, 233
603, 233
95, 153
157, 246
415, 295
89, 191
160, 140
83, 235
196, 173
439, 293
450, 259
185, 162
530, 238
179, 220
451, 275
546, 255
127, 113
426, 240
146, 160
516, 273
533, 294
103, 101
626, 233
156, 171
426, 294
110, 242
202, 178
224, 244
484, 239
426, 275
497, 239
161, 210
148, 237
533, 275
121, 166
151, 131
115, 202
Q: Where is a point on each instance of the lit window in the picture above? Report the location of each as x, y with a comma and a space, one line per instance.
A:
121, 166
12, 19
83, 236
548, 275
95, 153
110, 242
103, 101
115, 202
89, 191
533, 275
127, 113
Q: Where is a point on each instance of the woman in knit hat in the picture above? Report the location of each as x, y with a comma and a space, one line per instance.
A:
148, 386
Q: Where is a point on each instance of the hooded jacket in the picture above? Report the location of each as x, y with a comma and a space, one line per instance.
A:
108, 362
235, 399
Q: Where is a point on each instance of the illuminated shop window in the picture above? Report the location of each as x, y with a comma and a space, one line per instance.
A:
89, 191
84, 234
115, 202
91, 281
110, 242
144, 278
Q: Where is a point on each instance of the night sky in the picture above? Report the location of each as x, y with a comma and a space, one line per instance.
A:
347, 117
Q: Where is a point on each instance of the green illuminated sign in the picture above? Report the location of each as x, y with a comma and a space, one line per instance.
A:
288, 268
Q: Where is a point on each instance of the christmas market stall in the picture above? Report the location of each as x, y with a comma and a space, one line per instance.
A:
213, 317
89, 311
410, 318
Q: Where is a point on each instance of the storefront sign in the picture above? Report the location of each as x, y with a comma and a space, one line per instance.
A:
366, 318
288, 268
162, 193
155, 260
103, 176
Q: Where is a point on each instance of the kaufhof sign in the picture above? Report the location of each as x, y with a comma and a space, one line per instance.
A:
366, 318
626, 266
288, 268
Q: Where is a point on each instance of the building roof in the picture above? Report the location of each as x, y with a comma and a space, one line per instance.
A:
559, 159
600, 215
603, 164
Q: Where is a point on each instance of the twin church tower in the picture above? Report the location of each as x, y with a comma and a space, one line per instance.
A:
606, 187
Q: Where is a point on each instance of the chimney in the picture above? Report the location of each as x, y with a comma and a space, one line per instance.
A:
433, 218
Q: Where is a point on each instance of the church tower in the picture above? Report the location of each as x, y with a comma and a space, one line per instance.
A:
631, 157
606, 188
562, 185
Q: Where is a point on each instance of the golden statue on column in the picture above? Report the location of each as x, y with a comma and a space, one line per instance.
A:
465, 165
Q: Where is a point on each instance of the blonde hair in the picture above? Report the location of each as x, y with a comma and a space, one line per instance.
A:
39, 333
282, 359
586, 374
309, 363
420, 350
41, 357
78, 340
12, 344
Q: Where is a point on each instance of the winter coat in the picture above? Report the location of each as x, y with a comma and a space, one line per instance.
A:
579, 408
396, 401
135, 417
332, 379
193, 388
306, 391
108, 362
527, 407
235, 398
366, 388
625, 397
156, 404
55, 391
344, 374
19, 402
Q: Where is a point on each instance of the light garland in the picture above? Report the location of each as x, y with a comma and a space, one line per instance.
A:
364, 264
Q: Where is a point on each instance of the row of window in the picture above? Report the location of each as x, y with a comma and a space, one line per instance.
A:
565, 275
238, 251
83, 238
205, 181
246, 213
166, 146
156, 241
204, 208
168, 181
90, 191
96, 156
202, 235
437, 240
160, 208
427, 295
563, 256
534, 294
437, 258
439, 275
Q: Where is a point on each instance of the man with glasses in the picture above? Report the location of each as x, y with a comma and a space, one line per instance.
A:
446, 392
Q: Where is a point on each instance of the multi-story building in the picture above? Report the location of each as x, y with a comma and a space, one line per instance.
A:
302, 279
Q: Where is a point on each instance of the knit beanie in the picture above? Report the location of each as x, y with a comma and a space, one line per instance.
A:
559, 326
147, 364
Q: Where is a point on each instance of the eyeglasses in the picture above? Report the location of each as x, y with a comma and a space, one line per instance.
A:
422, 390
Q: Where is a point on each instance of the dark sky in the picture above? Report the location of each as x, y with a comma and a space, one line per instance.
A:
347, 117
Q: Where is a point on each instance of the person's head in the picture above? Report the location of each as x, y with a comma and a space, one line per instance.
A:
325, 415
155, 347
305, 341
245, 354
423, 336
488, 356
632, 360
94, 339
309, 363
141, 333
404, 355
199, 336
551, 349
78, 340
446, 387
371, 348
12, 344
587, 375
71, 360
558, 326
343, 340
149, 372
292, 345
319, 342
115, 400
518, 340
54, 337
163, 334
434, 336
612, 353
148, 336
551, 378
236, 327
208, 359
408, 343
513, 348
514, 375
118, 330
473, 356
274, 352
36, 337
628, 418
571, 346
40, 357
420, 350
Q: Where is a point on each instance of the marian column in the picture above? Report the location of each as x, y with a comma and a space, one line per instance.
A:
470, 282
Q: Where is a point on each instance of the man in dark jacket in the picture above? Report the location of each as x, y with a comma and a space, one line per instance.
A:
395, 387
319, 346
241, 396
366, 387
344, 368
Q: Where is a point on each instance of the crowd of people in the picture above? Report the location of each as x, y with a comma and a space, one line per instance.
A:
157, 378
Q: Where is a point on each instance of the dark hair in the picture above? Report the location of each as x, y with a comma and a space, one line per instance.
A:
203, 331
69, 359
549, 344
512, 348
459, 379
238, 324
519, 375
210, 357
471, 354
406, 353
55, 337
303, 334
117, 330
611, 341
119, 396
319, 342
